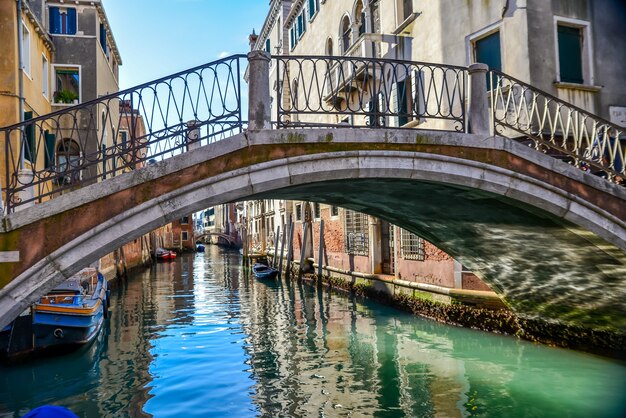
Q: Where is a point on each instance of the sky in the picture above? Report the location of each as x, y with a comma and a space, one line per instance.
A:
160, 37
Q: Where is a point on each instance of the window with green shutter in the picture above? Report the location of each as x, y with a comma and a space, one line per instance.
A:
50, 141
29, 144
570, 54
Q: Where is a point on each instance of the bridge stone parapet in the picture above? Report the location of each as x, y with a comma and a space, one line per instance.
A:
546, 236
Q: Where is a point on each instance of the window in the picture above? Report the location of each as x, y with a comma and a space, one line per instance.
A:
298, 212
345, 34
300, 25
412, 246
123, 139
184, 236
487, 51
268, 46
67, 85
334, 211
317, 212
401, 103
184, 220
68, 161
30, 151
570, 45
45, 77
103, 39
25, 49
313, 7
407, 8
63, 20
357, 233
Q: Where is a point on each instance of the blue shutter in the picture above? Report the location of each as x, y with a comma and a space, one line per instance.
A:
103, 37
71, 21
55, 20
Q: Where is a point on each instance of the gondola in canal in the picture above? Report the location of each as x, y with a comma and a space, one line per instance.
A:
68, 317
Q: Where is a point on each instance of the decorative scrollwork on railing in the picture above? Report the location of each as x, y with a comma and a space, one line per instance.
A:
558, 128
369, 92
102, 138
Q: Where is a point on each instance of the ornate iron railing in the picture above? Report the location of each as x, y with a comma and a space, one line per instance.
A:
102, 138
557, 127
369, 92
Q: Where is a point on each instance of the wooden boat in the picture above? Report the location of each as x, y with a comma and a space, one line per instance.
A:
165, 255
263, 271
68, 317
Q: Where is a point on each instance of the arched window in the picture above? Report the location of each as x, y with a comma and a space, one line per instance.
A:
359, 16
329, 46
68, 161
345, 34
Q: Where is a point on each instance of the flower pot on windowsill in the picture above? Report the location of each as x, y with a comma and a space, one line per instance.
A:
65, 97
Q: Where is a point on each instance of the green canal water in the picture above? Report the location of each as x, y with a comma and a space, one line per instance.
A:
198, 337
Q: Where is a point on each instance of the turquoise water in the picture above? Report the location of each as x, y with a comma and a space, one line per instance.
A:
197, 337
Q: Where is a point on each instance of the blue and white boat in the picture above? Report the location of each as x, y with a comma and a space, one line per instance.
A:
68, 317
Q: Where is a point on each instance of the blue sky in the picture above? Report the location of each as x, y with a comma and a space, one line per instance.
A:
160, 37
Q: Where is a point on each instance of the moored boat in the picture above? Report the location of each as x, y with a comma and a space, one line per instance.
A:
163, 254
200, 248
69, 316
263, 271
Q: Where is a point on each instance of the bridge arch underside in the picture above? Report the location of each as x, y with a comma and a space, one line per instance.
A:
525, 239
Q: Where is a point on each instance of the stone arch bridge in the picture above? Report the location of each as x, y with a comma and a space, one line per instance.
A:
549, 237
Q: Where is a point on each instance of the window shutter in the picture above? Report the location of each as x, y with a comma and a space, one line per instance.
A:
570, 54
103, 38
55, 20
71, 21
29, 139
394, 103
49, 149
418, 93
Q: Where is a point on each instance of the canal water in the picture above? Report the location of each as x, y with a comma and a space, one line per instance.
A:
199, 337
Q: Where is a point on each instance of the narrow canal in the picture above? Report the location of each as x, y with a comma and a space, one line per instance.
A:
197, 337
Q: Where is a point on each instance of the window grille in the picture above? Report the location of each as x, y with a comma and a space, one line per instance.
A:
357, 233
317, 212
298, 212
412, 246
334, 211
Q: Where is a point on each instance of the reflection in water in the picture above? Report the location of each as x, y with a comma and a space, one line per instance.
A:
199, 337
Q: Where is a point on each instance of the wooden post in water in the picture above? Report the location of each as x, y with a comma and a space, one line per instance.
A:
282, 250
275, 246
290, 250
303, 249
320, 256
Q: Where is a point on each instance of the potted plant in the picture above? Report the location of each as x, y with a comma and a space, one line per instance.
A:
65, 96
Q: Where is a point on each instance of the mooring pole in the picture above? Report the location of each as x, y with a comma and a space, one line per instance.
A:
282, 250
303, 249
320, 256
290, 250
275, 246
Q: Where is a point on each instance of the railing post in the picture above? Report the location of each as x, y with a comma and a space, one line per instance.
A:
259, 116
479, 119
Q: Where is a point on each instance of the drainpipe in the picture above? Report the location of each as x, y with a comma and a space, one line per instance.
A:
20, 73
